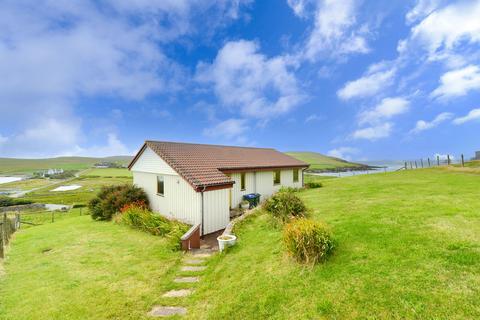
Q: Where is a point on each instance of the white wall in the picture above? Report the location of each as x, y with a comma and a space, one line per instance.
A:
216, 210
149, 161
180, 201
237, 193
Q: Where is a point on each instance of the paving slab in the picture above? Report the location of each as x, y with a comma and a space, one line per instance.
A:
162, 311
178, 293
186, 279
194, 261
192, 268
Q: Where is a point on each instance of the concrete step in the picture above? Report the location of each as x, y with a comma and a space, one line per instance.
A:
177, 293
163, 311
194, 261
193, 268
186, 279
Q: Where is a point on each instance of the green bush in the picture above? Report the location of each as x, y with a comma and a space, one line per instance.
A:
110, 199
308, 241
8, 202
313, 185
285, 205
138, 216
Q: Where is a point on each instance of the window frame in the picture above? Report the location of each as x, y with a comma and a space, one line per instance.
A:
243, 181
275, 181
296, 175
162, 180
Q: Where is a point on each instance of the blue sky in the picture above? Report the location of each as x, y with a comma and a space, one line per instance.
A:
362, 80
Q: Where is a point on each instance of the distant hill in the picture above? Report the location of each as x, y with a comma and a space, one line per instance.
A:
320, 162
12, 165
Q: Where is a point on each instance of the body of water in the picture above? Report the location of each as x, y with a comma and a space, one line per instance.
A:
9, 179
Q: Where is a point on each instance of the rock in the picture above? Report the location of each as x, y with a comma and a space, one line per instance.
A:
192, 268
186, 279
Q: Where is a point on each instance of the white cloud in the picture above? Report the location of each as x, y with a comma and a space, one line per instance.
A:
472, 115
54, 53
444, 29
3, 139
298, 6
245, 79
113, 147
386, 109
335, 32
422, 9
312, 117
374, 132
343, 152
423, 125
228, 129
377, 78
458, 82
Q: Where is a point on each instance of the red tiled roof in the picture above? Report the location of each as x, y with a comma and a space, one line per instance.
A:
205, 165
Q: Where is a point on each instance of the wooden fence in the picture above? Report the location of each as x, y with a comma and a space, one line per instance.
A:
8, 225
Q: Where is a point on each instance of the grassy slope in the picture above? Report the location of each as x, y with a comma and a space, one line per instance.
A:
108, 172
93, 270
90, 187
11, 165
319, 161
408, 247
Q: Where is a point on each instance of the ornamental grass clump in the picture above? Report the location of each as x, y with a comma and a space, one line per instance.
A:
285, 205
138, 216
308, 241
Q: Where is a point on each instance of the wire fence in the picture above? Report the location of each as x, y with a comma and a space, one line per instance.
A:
437, 161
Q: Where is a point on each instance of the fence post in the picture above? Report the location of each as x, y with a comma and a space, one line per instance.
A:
1, 241
416, 165
429, 162
463, 161
438, 161
421, 160
448, 159
406, 167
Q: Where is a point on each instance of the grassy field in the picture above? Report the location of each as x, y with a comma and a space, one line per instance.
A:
90, 186
28, 184
34, 217
319, 161
27, 166
408, 247
81, 269
108, 172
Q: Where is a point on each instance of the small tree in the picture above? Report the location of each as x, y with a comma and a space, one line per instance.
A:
111, 199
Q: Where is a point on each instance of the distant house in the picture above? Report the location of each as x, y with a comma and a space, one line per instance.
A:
200, 184
477, 155
48, 173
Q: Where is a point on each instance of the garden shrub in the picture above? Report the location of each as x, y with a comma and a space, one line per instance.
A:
285, 205
288, 189
308, 241
313, 185
110, 199
138, 215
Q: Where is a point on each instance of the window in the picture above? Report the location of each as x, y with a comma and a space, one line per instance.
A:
242, 181
295, 175
160, 186
276, 177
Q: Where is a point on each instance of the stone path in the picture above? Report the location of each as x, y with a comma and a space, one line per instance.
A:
193, 263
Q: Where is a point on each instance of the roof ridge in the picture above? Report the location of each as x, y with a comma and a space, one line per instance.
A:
210, 145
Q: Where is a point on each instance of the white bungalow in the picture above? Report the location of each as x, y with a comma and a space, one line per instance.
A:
200, 184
